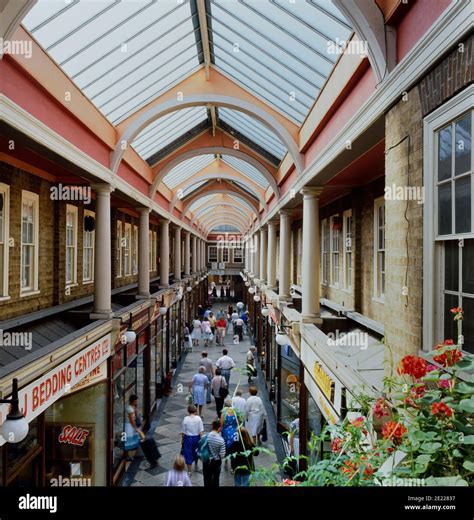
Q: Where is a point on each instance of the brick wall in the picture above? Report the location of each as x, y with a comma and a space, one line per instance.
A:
404, 240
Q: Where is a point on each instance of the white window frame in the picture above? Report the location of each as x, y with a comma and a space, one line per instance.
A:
238, 260
119, 248
74, 211
126, 249
225, 253
85, 281
333, 252
324, 253
28, 196
347, 244
209, 258
5, 191
433, 308
377, 294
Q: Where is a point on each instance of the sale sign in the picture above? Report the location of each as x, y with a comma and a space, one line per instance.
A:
73, 435
43, 392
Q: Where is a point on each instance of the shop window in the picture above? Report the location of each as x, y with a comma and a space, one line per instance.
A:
324, 252
119, 249
152, 245
450, 270
212, 253
335, 242
134, 250
29, 241
347, 249
88, 249
289, 386
237, 256
4, 237
379, 248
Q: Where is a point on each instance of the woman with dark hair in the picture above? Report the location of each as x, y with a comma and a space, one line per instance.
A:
132, 426
241, 458
191, 431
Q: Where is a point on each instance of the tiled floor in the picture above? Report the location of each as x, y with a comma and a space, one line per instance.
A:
168, 419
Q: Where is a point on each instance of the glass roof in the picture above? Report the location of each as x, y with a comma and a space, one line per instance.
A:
186, 169
203, 200
225, 227
246, 169
253, 130
121, 54
167, 129
277, 49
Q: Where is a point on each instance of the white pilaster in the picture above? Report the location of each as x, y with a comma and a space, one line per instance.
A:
177, 253
143, 254
271, 255
285, 248
164, 253
263, 255
187, 253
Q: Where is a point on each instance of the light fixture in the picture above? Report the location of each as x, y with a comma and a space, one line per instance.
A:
15, 428
251, 290
282, 337
189, 288
129, 335
265, 311
256, 298
163, 310
196, 282
247, 284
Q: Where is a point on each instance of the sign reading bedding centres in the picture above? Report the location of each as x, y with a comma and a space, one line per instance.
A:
43, 392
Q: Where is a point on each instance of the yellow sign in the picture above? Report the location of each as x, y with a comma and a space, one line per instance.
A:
325, 383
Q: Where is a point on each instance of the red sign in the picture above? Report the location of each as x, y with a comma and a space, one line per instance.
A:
73, 435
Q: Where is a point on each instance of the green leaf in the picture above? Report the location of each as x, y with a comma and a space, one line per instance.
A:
465, 428
423, 459
431, 447
467, 405
468, 439
464, 388
458, 453
469, 465
445, 376
446, 481
466, 363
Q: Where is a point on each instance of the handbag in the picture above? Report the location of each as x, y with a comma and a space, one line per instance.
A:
263, 431
223, 391
189, 399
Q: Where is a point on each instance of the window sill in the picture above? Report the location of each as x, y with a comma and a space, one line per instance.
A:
29, 293
348, 291
5, 298
378, 299
88, 282
332, 286
71, 285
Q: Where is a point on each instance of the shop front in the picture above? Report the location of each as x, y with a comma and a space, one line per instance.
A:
289, 385
269, 351
67, 413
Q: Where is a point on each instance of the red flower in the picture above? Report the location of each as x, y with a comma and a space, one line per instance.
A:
336, 445
358, 423
413, 366
394, 431
417, 391
368, 471
449, 357
349, 468
288, 482
458, 312
430, 368
380, 408
441, 410
448, 342
445, 383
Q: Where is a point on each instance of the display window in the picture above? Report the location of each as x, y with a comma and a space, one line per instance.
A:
76, 439
289, 386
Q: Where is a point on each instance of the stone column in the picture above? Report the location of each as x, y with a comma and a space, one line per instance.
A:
144, 254
177, 253
271, 256
164, 253
310, 311
187, 253
102, 254
285, 251
194, 255
263, 255
204, 260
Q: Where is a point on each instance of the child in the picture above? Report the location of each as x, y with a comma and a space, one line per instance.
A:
178, 476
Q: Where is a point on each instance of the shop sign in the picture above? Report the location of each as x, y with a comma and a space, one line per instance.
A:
42, 393
73, 435
97, 375
328, 384
320, 399
272, 317
141, 321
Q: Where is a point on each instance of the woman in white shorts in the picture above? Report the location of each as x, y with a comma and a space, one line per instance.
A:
196, 335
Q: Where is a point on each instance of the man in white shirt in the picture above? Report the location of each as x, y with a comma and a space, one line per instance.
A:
234, 317
226, 364
239, 403
239, 328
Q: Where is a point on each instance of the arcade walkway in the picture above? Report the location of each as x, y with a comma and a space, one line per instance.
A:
166, 422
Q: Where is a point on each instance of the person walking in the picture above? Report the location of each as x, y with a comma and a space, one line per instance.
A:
241, 460
219, 389
133, 430
239, 404
177, 477
221, 329
209, 366
197, 331
250, 359
191, 431
206, 331
200, 311
226, 364
198, 387
212, 322
239, 328
254, 414
212, 467
234, 316
229, 424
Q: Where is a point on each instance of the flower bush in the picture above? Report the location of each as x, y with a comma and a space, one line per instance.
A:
427, 431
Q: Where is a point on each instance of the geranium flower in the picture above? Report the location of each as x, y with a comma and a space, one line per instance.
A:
368, 471
417, 391
441, 410
380, 408
358, 422
458, 312
413, 366
349, 468
449, 357
289, 482
445, 383
394, 431
336, 445
430, 368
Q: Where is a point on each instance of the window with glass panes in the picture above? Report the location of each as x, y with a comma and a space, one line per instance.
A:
4, 231
71, 244
324, 252
29, 241
125, 245
238, 256
225, 254
88, 252
348, 249
379, 248
455, 229
212, 254
335, 250
119, 249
